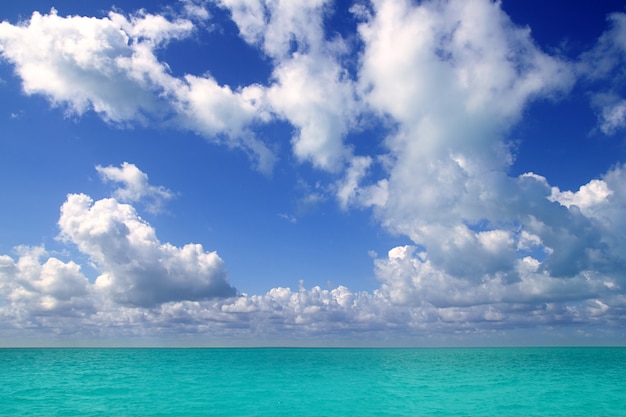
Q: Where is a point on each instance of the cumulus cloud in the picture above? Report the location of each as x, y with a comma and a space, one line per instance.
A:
416, 303
48, 295
90, 63
603, 203
136, 268
110, 65
311, 89
149, 288
134, 185
466, 57
215, 110
587, 197
315, 95
408, 277
449, 79
454, 76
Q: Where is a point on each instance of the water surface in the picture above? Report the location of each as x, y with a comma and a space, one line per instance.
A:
313, 382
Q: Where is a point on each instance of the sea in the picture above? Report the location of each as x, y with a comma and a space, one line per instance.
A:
313, 382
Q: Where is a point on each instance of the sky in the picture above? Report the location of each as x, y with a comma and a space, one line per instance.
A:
312, 173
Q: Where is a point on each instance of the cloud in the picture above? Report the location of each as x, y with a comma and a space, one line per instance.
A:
349, 186
605, 58
135, 267
216, 111
134, 186
310, 88
611, 112
603, 203
110, 65
408, 277
588, 196
453, 76
447, 80
314, 94
151, 289
194, 10
154, 289
280, 28
51, 296
416, 304
603, 63
465, 57
89, 63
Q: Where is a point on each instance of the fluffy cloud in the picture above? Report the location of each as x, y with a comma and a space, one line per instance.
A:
279, 27
603, 204
134, 186
149, 288
410, 278
464, 57
315, 94
586, 198
454, 76
311, 89
449, 78
136, 268
110, 65
49, 296
89, 63
416, 303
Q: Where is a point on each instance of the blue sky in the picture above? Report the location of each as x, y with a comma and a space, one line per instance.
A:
247, 172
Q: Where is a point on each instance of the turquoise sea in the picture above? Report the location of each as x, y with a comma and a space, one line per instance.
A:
313, 382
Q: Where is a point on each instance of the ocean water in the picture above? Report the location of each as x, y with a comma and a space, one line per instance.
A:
313, 382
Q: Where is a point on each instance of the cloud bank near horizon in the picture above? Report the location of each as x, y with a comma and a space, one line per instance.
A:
491, 252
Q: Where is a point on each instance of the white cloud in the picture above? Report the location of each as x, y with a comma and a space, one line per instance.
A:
134, 185
147, 288
349, 186
216, 111
50, 296
314, 94
613, 118
277, 25
604, 63
611, 112
110, 65
454, 76
465, 57
588, 196
135, 267
490, 252
605, 58
195, 10
88, 63
150, 289
311, 89
410, 278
